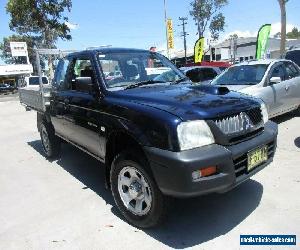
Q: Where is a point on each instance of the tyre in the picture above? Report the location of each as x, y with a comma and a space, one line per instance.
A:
135, 192
50, 142
297, 111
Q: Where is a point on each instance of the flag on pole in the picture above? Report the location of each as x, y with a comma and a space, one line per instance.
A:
262, 40
170, 34
198, 50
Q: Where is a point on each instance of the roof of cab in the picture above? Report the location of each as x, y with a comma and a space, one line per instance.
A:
106, 50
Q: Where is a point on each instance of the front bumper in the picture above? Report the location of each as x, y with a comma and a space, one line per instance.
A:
173, 170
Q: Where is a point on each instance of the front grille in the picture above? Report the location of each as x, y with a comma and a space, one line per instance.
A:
241, 122
231, 125
255, 115
240, 163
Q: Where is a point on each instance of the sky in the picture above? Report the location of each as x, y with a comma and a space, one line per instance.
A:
140, 24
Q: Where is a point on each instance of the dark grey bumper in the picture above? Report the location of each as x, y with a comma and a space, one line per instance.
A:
173, 170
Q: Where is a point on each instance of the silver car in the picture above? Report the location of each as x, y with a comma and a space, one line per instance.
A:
276, 82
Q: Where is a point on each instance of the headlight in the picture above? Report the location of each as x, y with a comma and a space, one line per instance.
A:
194, 134
264, 111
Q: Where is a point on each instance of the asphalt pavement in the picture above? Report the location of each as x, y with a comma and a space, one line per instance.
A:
63, 204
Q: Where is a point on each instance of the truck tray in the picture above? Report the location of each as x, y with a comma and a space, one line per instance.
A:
32, 98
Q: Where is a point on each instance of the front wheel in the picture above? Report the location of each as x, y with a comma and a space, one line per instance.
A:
135, 191
297, 111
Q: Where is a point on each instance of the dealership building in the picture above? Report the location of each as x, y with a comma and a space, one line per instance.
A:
11, 73
245, 49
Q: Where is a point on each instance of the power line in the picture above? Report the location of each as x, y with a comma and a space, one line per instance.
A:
184, 34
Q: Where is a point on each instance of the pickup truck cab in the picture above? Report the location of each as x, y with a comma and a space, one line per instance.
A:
157, 137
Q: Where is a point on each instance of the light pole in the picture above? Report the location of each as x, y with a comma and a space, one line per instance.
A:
165, 10
184, 34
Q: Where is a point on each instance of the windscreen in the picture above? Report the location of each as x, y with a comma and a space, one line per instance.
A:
242, 75
124, 69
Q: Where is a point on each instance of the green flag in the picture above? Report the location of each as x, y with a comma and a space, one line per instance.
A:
262, 39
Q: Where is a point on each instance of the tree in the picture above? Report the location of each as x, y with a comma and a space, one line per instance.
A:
42, 18
277, 35
294, 34
206, 13
283, 25
232, 37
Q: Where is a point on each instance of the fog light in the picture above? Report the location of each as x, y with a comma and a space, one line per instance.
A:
196, 175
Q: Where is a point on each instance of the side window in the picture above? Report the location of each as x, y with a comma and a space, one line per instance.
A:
60, 74
111, 68
80, 75
291, 70
278, 71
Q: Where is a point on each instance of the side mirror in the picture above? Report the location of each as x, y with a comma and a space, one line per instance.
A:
84, 84
275, 80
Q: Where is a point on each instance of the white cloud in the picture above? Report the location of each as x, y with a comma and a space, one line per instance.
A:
72, 26
275, 28
240, 33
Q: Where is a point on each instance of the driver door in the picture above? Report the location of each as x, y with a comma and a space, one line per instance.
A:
280, 96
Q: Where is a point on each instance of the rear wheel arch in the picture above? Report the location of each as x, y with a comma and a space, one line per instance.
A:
42, 117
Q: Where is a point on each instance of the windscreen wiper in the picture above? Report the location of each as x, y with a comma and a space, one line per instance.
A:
138, 84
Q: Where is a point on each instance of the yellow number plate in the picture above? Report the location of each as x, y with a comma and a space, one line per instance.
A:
257, 156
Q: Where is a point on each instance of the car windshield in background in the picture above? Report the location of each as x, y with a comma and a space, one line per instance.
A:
34, 80
122, 70
242, 75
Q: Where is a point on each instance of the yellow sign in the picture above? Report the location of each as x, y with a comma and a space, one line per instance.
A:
199, 49
170, 34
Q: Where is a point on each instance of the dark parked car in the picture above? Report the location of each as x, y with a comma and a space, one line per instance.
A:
5, 88
156, 137
201, 74
293, 55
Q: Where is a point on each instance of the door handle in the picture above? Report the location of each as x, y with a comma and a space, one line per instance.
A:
287, 88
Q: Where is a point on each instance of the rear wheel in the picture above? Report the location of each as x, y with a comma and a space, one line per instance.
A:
50, 142
135, 191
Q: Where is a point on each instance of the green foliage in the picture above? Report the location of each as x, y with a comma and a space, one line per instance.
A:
216, 26
38, 21
294, 34
206, 13
45, 18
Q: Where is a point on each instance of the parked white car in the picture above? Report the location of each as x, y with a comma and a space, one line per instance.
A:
33, 81
275, 81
